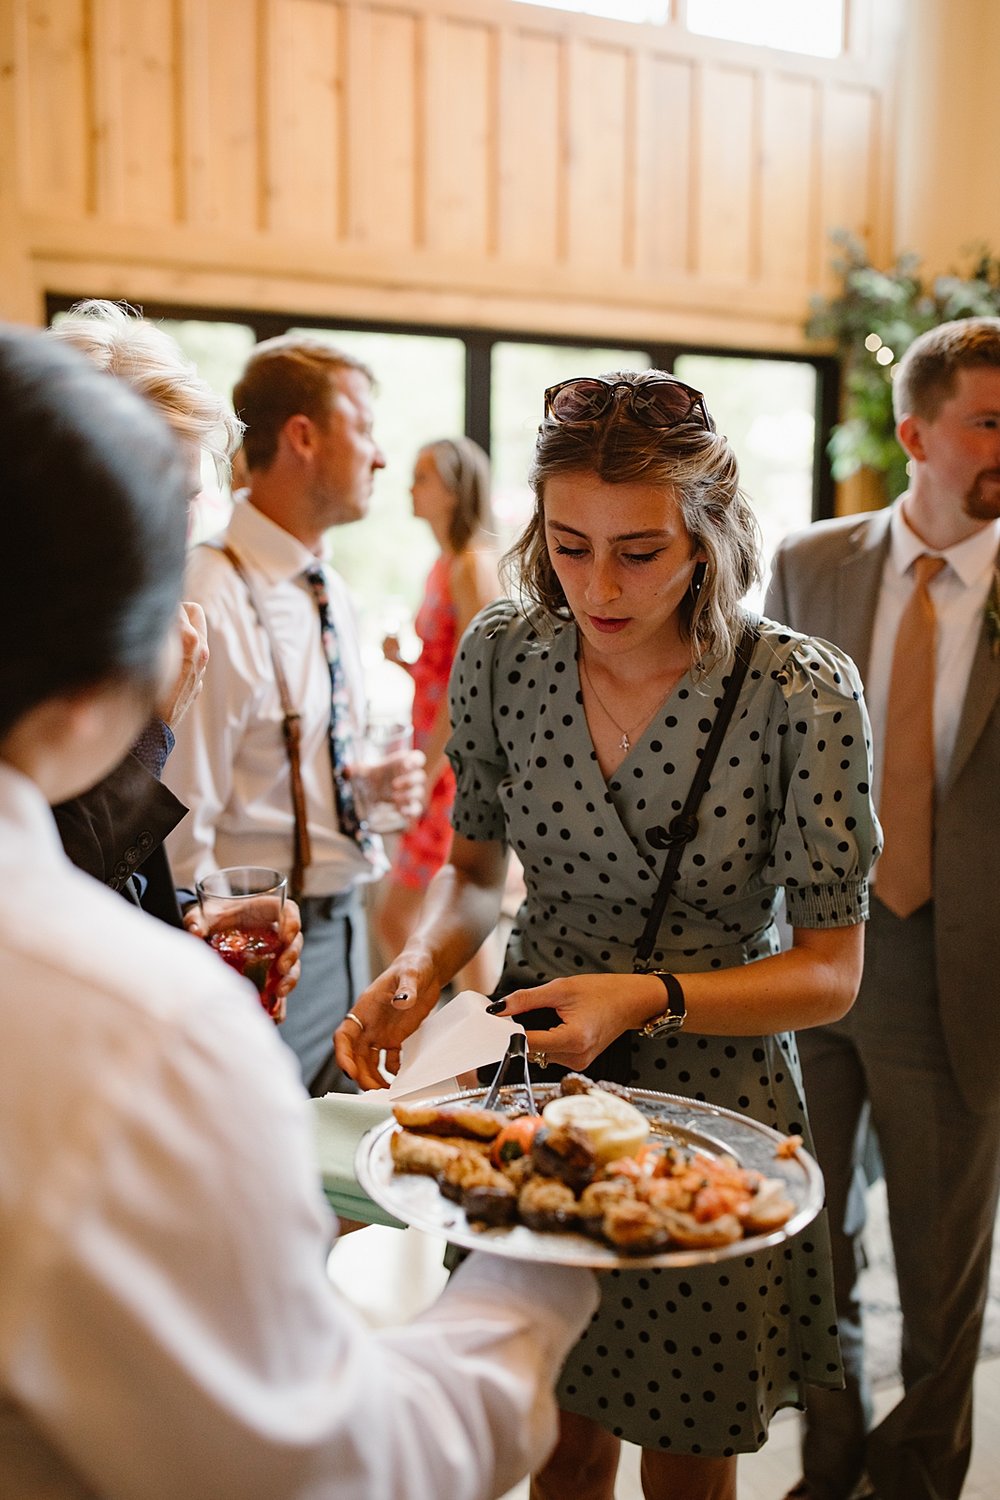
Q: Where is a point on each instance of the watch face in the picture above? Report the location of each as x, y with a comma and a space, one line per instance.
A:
671, 1023
662, 1025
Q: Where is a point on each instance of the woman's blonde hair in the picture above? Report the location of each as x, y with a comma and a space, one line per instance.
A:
697, 465
119, 341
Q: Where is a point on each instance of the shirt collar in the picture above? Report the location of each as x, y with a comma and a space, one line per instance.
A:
970, 560
27, 819
271, 549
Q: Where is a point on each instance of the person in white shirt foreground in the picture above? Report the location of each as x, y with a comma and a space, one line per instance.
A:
166, 1324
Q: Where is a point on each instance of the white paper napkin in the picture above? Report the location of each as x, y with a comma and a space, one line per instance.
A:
454, 1040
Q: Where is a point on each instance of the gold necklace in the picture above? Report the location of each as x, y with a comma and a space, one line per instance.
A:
625, 743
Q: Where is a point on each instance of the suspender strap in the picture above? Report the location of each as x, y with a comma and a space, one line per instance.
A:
291, 727
684, 825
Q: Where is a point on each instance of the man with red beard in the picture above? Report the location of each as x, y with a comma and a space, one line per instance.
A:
918, 1057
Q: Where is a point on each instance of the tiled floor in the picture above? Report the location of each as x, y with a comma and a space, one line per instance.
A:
389, 1275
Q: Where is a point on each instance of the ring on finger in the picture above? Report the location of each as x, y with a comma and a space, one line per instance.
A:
356, 1019
538, 1059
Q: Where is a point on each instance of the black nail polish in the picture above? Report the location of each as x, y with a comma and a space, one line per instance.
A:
495, 1007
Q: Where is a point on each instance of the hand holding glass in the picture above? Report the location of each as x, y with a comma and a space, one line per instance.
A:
241, 909
377, 758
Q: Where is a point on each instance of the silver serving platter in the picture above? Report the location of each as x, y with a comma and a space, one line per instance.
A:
706, 1127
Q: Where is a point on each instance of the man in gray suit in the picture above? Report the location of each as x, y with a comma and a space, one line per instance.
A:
919, 1054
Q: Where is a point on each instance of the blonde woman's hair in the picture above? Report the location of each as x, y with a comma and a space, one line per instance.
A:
118, 340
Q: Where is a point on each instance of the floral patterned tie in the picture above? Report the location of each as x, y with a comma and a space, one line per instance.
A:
340, 713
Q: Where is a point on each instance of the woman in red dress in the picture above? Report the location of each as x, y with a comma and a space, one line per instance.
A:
451, 492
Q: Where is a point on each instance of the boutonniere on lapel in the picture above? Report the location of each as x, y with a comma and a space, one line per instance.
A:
993, 614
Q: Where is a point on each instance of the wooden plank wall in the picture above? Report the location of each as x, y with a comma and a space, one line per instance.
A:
462, 161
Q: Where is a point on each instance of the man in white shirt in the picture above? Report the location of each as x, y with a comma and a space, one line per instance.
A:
919, 1055
167, 1327
311, 459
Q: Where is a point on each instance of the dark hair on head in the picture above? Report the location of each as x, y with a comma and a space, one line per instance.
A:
697, 465
286, 377
93, 505
464, 470
926, 375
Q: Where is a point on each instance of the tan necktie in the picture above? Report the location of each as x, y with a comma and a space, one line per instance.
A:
903, 875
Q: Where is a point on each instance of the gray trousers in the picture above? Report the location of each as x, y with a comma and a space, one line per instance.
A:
886, 1059
334, 972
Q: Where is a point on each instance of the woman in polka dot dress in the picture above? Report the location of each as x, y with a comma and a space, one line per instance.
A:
578, 722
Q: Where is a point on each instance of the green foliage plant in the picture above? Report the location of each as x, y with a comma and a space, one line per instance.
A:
873, 319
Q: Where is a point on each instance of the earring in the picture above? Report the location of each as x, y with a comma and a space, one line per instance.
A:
698, 578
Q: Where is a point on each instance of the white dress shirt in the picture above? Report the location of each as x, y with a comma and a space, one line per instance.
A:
229, 765
167, 1329
959, 594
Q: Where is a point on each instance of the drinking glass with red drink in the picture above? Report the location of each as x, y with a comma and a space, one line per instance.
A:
241, 909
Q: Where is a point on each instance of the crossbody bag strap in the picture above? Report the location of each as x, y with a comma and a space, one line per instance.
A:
291, 725
683, 827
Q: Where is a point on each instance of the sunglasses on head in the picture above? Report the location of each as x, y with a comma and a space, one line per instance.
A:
661, 402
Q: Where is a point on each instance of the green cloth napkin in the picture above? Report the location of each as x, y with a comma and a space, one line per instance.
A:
341, 1121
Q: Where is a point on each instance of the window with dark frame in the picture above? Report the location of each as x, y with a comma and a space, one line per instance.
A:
434, 381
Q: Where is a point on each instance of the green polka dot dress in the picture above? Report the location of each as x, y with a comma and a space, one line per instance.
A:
692, 1361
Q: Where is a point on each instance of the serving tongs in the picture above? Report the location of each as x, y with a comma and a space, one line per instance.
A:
513, 1070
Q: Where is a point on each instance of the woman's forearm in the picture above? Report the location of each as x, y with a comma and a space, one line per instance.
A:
811, 984
461, 906
459, 912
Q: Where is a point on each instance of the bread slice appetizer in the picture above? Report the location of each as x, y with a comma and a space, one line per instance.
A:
451, 1119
